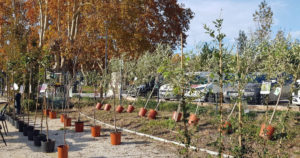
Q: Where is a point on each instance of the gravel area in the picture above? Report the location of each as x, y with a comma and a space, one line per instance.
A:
84, 145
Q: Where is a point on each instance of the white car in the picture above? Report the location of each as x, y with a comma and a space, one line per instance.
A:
166, 92
296, 95
198, 91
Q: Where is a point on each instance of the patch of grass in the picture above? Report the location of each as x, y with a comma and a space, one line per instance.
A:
148, 126
169, 124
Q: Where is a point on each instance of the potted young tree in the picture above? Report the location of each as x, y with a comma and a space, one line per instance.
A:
36, 134
278, 64
193, 119
52, 113
115, 136
42, 137
79, 125
218, 37
178, 75
28, 130
147, 70
95, 129
48, 144
21, 123
153, 112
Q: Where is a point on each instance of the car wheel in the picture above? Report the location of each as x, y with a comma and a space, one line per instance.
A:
263, 99
227, 100
258, 100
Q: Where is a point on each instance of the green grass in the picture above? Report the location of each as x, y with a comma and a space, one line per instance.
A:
158, 124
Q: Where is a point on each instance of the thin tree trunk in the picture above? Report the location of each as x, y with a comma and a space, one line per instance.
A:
46, 107
94, 117
44, 104
13, 85
231, 111
23, 96
179, 105
221, 95
115, 119
274, 110
30, 78
52, 101
37, 95
240, 103
7, 87
283, 128
149, 97
157, 105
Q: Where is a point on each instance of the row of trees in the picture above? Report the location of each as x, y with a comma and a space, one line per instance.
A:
73, 36
80, 35
277, 57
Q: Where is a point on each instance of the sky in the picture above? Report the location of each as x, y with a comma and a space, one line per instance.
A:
237, 15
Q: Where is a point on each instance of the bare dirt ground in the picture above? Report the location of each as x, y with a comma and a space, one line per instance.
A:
205, 134
83, 145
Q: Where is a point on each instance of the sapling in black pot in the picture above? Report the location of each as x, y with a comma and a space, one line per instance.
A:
41, 137
21, 123
48, 144
30, 129
26, 127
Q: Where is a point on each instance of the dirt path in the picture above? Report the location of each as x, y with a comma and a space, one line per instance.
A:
83, 145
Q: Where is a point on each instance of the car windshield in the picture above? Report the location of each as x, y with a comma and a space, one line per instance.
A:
199, 80
289, 79
259, 78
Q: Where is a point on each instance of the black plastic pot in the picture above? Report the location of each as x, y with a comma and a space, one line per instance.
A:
48, 146
32, 133
25, 130
30, 128
37, 139
21, 125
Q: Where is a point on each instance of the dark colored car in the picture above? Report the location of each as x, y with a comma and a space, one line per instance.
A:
251, 91
144, 89
285, 92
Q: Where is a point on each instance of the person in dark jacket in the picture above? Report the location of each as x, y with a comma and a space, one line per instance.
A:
18, 103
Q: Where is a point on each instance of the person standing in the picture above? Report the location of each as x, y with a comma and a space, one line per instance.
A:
18, 103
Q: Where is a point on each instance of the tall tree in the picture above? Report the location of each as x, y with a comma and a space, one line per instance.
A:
241, 41
217, 35
263, 17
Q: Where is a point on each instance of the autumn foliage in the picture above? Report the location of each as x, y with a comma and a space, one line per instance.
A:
69, 29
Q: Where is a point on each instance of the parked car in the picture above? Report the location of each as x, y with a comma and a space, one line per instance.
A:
272, 97
204, 87
166, 92
251, 93
144, 89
